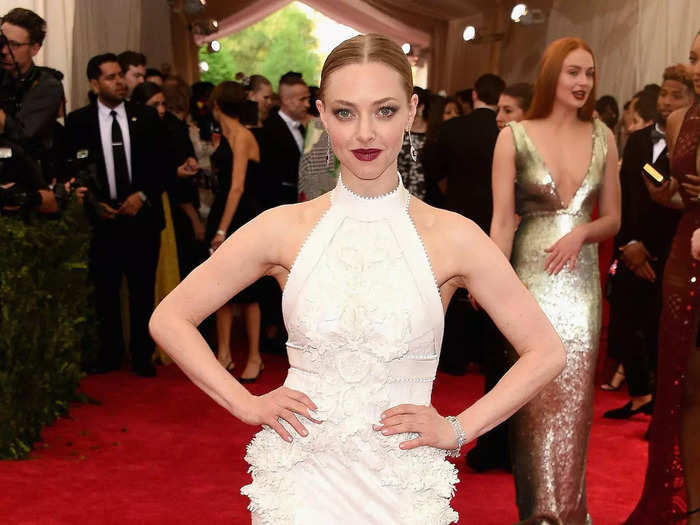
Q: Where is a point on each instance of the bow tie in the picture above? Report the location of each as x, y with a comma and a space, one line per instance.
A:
657, 135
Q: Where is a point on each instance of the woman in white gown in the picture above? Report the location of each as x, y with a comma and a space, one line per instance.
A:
351, 436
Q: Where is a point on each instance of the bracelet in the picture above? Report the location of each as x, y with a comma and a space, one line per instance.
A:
221, 232
459, 433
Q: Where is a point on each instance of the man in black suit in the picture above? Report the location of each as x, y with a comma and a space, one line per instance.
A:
462, 156
282, 141
281, 148
465, 153
643, 243
125, 143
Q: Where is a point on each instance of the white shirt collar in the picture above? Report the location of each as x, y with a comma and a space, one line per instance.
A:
289, 120
106, 111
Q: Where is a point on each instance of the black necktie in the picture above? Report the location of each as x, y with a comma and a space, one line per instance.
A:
303, 131
121, 169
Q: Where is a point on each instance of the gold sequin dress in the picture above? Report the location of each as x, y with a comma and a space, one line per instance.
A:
550, 434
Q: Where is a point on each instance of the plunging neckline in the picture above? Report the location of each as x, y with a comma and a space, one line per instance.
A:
553, 182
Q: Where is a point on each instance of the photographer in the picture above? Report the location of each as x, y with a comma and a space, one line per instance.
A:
30, 97
19, 196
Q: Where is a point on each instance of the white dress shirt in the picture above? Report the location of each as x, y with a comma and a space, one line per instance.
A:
293, 126
659, 146
105, 118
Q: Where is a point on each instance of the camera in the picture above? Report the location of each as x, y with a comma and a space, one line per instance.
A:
82, 169
20, 180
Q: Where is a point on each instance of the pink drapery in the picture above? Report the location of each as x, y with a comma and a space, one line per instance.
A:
354, 13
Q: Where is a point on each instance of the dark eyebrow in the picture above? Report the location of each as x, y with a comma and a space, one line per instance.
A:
376, 102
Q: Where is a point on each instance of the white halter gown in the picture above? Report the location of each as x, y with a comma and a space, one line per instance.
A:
365, 322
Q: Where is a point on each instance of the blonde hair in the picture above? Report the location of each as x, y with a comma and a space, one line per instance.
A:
363, 49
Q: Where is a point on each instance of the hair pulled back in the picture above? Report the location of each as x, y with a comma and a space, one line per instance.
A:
230, 97
364, 49
522, 93
548, 77
256, 82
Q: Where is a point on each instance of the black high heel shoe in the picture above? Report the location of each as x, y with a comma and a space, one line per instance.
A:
248, 380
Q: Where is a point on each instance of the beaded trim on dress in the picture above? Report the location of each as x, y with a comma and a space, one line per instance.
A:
399, 185
364, 324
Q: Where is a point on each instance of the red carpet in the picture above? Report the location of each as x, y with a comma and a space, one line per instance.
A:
159, 451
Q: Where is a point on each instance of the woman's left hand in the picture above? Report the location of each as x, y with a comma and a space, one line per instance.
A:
564, 252
433, 429
217, 241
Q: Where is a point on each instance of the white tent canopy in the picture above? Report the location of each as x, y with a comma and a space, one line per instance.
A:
634, 40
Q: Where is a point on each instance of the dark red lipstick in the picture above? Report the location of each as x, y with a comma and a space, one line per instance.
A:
366, 155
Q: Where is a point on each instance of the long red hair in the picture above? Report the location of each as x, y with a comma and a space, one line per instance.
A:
548, 77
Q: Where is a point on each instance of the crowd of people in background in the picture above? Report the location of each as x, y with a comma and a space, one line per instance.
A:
169, 170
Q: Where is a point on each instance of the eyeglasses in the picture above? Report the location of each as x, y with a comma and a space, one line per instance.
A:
16, 45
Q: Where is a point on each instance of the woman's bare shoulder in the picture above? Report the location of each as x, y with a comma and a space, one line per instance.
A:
443, 224
290, 217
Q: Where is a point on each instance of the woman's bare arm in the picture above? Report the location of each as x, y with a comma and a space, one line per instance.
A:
493, 282
667, 194
609, 202
240, 163
474, 262
504, 220
247, 255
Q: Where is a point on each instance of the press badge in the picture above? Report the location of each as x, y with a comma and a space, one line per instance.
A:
5, 153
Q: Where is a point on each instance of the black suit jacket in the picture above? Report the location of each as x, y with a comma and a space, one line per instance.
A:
643, 219
279, 156
150, 164
463, 153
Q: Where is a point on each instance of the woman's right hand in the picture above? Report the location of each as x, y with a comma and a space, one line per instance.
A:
663, 193
695, 244
692, 187
217, 241
281, 403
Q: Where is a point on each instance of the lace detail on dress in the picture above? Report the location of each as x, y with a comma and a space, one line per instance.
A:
362, 340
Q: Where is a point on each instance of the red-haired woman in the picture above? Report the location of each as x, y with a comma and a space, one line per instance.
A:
673, 470
552, 169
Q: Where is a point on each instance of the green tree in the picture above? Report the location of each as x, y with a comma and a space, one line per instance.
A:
281, 42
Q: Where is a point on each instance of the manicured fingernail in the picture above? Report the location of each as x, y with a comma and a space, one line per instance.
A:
288, 439
383, 416
304, 432
385, 431
313, 414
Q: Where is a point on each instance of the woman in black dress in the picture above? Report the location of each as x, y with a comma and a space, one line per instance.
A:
235, 164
